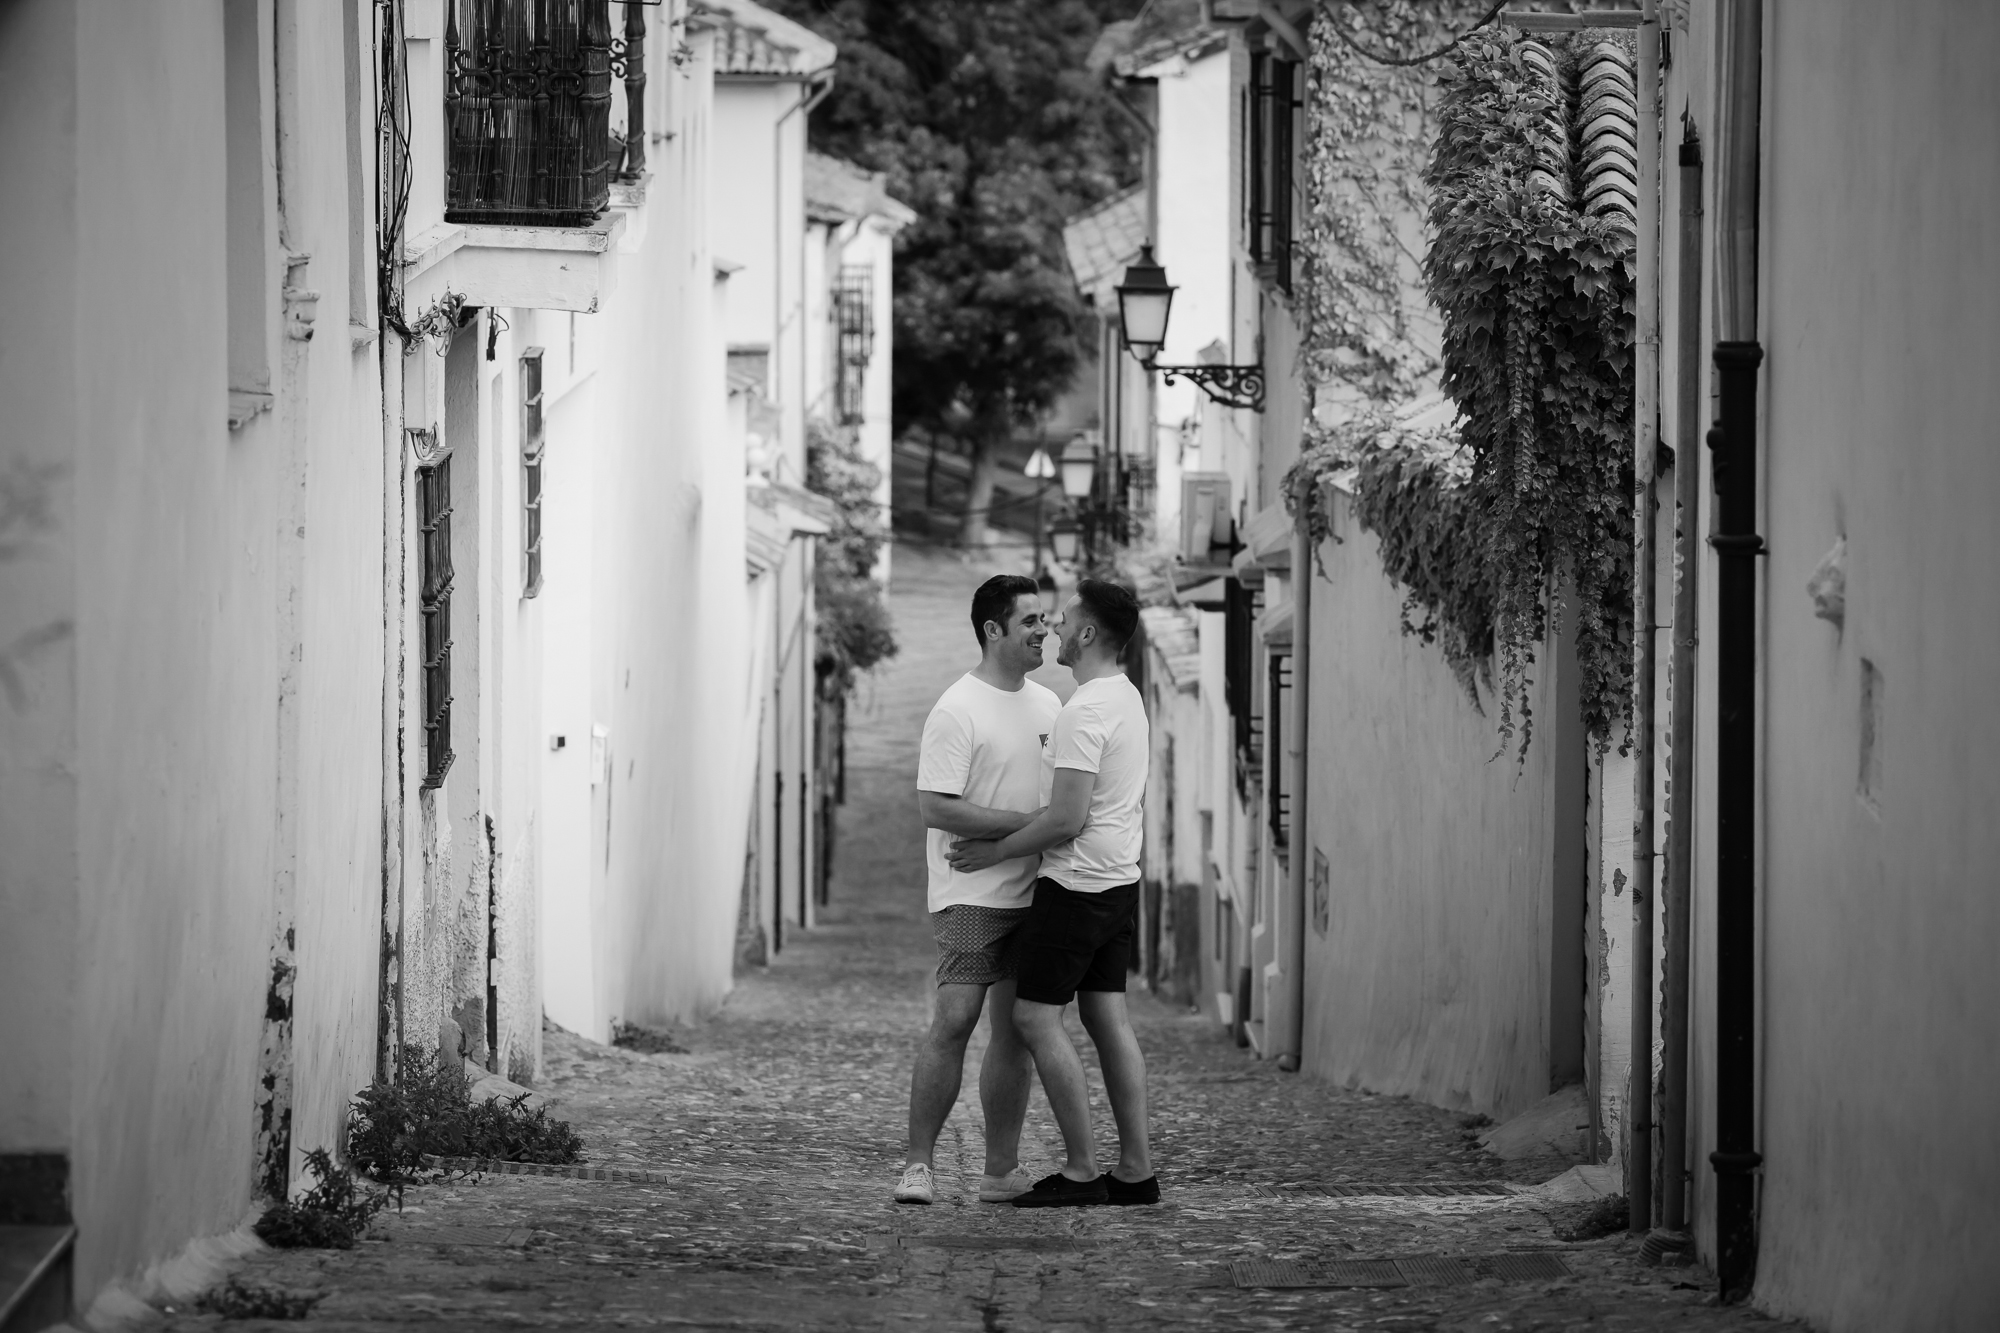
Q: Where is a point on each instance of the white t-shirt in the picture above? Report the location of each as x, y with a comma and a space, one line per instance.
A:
985, 744
1102, 730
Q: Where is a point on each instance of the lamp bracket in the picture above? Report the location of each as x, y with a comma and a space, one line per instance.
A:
1232, 386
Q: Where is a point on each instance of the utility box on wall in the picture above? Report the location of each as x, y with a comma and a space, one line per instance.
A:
1206, 523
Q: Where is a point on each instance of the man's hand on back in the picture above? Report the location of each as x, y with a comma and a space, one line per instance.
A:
1058, 821
974, 854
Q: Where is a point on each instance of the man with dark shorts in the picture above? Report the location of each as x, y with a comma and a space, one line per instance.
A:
979, 775
1077, 941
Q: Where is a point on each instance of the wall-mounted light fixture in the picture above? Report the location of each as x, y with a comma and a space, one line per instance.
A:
1145, 299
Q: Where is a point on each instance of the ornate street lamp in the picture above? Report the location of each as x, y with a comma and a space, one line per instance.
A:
1040, 470
1079, 466
1063, 540
1145, 299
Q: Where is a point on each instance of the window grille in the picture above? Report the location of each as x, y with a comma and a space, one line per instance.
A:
1273, 112
434, 526
1278, 796
1239, 679
854, 338
527, 111
532, 442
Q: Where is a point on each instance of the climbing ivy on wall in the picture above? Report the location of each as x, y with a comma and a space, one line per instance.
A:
1529, 501
1366, 344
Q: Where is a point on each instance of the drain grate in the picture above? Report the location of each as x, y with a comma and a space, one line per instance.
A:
1530, 1267
513, 1237
639, 1175
1438, 1189
994, 1242
1422, 1270
1282, 1273
1430, 1270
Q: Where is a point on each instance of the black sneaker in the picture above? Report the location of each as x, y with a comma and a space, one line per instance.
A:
1059, 1191
1127, 1193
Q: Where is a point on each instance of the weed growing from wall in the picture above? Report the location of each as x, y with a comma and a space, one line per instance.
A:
428, 1112
331, 1215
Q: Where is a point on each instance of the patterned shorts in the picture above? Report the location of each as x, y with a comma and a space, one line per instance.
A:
976, 945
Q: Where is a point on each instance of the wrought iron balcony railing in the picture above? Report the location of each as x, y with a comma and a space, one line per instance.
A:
528, 110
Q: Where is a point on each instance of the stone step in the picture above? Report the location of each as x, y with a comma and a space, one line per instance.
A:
35, 1264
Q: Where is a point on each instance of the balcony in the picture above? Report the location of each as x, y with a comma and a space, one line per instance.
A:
539, 182
527, 111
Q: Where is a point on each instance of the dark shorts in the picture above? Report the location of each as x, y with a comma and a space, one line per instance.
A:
1075, 941
976, 945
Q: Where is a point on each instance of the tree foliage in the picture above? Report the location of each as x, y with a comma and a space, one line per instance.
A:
993, 129
854, 628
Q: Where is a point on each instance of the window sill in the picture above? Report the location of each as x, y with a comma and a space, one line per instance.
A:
245, 404
539, 268
628, 200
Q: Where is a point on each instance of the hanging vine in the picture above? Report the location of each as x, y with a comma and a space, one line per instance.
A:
1412, 488
1528, 502
1536, 298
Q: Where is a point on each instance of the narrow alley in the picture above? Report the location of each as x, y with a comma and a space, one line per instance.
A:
744, 1183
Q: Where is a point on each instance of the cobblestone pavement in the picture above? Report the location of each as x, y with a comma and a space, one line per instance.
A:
773, 1143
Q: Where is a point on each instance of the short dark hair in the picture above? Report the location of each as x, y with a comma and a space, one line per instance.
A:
995, 601
1112, 608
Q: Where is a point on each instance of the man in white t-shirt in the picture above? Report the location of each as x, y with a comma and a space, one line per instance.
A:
979, 775
1077, 942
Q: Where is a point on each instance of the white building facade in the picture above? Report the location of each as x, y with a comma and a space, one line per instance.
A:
402, 640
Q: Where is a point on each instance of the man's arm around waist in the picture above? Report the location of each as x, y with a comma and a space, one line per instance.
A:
1063, 818
963, 819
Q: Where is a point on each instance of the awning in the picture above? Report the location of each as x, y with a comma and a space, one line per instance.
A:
1208, 595
1267, 538
1276, 627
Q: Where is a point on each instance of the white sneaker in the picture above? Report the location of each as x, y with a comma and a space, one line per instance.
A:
916, 1186
1001, 1189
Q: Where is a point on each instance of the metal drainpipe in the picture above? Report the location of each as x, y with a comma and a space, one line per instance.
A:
1298, 836
1645, 448
1737, 545
810, 96
1680, 687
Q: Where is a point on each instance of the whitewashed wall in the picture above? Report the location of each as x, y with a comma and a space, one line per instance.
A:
192, 616
647, 620
1880, 1006
1432, 977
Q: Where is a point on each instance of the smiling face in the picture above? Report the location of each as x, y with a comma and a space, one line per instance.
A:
1020, 648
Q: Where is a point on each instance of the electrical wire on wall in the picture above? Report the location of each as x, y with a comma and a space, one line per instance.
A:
394, 172
1333, 26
